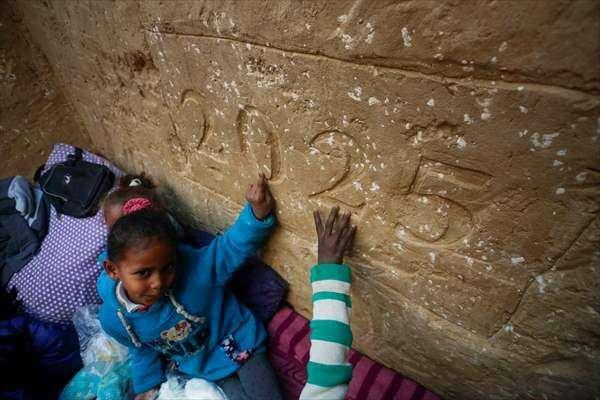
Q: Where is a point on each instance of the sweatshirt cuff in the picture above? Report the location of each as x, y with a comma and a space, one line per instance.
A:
247, 218
335, 272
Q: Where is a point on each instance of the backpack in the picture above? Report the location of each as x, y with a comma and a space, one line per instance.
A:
75, 187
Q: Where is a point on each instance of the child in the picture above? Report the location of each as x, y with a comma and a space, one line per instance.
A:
130, 187
168, 302
328, 369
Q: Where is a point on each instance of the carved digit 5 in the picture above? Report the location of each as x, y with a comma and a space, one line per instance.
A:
434, 213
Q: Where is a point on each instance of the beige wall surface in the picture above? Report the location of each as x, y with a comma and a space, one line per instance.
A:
34, 113
463, 135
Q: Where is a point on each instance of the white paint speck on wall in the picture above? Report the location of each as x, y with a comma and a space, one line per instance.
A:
541, 283
432, 256
516, 260
355, 93
406, 37
546, 139
431, 102
581, 176
374, 100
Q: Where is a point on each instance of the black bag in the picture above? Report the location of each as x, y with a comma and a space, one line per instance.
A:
75, 187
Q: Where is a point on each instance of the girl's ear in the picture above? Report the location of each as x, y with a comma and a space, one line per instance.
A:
111, 269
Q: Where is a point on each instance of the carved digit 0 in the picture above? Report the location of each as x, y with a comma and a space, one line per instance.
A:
259, 140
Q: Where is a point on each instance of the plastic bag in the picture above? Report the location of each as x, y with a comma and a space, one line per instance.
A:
86, 324
96, 346
179, 388
106, 374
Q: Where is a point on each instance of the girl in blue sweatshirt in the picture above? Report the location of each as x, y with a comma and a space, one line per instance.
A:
169, 303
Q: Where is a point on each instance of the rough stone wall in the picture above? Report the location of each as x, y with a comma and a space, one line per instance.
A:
34, 113
463, 135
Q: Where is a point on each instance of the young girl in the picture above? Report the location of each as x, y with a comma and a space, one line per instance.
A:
130, 187
168, 302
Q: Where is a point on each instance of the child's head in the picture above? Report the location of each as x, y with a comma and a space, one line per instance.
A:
130, 187
141, 254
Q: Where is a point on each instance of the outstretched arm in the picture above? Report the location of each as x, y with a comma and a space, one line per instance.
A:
227, 252
328, 369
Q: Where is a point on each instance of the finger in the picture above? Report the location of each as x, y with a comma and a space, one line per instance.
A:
342, 222
331, 220
348, 238
318, 222
261, 183
268, 197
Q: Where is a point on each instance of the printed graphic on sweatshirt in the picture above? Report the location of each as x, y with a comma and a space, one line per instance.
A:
185, 338
231, 348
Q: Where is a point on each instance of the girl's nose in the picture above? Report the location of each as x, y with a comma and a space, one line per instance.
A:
156, 283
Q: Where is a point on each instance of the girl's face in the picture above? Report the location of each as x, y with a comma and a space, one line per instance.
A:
147, 274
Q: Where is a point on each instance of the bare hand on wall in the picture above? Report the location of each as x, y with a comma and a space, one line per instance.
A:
259, 197
335, 237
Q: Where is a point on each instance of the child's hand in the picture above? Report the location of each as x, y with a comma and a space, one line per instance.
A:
259, 197
148, 395
335, 237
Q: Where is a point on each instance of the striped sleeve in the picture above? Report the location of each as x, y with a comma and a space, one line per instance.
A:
328, 369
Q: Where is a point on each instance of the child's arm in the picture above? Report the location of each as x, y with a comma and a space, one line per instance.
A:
328, 369
227, 252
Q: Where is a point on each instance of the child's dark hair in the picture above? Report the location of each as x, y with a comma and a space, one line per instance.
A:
142, 187
137, 230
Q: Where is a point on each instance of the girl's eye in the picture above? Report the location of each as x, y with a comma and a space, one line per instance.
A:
143, 273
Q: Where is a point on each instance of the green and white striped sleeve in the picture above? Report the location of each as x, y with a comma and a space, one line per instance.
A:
328, 368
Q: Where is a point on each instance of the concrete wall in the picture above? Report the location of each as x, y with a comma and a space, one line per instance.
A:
463, 135
34, 113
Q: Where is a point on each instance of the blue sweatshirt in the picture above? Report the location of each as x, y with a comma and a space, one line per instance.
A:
214, 333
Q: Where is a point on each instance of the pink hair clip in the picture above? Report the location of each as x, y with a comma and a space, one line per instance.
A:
135, 204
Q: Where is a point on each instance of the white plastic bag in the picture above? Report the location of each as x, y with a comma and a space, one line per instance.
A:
96, 346
178, 388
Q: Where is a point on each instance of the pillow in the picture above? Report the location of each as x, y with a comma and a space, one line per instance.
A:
256, 284
289, 351
62, 276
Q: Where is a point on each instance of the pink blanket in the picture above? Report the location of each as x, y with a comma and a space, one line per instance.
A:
289, 347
